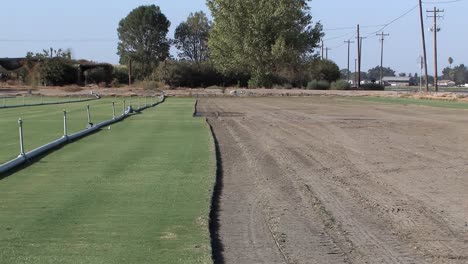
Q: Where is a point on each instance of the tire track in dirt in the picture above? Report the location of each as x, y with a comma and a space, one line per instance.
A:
384, 246
400, 208
315, 186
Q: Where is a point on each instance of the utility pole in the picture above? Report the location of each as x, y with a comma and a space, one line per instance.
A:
326, 52
322, 49
359, 57
359, 45
382, 35
349, 45
435, 29
421, 62
355, 71
424, 45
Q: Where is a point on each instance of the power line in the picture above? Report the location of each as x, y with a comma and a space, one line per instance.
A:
395, 20
341, 36
444, 2
346, 28
58, 40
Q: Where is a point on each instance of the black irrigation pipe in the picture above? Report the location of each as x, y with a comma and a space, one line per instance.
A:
40, 151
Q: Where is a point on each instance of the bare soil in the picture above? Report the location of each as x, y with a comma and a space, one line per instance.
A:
6, 90
333, 180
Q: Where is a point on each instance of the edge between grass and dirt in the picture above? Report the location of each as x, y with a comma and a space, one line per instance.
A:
137, 193
414, 101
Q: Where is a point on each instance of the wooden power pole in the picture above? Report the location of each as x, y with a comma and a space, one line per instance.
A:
423, 44
359, 57
359, 45
349, 45
382, 35
435, 29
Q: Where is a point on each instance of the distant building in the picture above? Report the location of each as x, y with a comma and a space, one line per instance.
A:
397, 81
446, 83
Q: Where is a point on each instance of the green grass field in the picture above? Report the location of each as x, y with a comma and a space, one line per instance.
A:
43, 124
410, 101
22, 100
137, 193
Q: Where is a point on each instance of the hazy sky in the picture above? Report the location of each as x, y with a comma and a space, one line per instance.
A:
88, 28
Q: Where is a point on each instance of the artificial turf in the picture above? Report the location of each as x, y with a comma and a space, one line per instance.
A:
138, 192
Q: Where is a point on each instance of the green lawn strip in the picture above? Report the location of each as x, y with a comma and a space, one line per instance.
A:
21, 100
43, 124
411, 101
137, 193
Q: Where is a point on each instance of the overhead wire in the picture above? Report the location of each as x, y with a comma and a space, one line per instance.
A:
443, 2
58, 40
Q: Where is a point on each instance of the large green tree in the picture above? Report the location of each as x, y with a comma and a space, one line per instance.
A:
374, 73
191, 37
143, 39
458, 74
260, 37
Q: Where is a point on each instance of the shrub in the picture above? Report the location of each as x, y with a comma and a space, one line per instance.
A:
318, 85
261, 80
372, 87
95, 76
213, 87
120, 75
148, 84
58, 71
286, 86
340, 85
324, 70
188, 74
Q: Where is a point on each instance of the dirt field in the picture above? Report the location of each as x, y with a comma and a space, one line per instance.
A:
330, 180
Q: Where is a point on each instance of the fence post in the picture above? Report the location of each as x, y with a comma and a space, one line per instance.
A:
23, 101
123, 111
113, 110
42, 99
89, 114
139, 99
20, 124
65, 132
4, 102
146, 100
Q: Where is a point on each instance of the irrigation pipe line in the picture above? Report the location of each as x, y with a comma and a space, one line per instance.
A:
25, 157
51, 103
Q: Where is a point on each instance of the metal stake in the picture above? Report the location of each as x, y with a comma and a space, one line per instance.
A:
113, 110
20, 124
65, 133
123, 111
89, 114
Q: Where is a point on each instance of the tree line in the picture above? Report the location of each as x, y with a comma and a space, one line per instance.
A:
248, 43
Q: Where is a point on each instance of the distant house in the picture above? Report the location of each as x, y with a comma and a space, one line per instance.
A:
397, 81
446, 83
